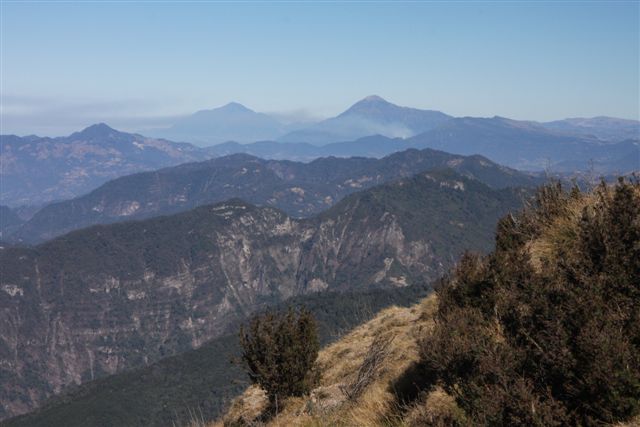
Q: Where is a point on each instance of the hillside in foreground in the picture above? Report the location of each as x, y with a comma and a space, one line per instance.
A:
543, 331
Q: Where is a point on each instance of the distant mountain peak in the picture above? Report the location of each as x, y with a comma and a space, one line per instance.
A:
373, 98
231, 107
229, 122
368, 104
95, 131
102, 127
235, 107
372, 115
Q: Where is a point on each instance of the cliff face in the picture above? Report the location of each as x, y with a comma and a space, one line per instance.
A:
100, 300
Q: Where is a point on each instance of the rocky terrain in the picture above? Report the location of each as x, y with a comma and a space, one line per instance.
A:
543, 331
299, 189
108, 298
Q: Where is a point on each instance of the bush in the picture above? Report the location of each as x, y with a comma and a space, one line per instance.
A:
279, 352
546, 330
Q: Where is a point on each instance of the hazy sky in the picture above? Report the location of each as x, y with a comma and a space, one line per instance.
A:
137, 65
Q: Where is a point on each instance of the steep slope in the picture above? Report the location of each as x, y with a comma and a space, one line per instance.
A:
543, 331
369, 116
299, 189
108, 298
36, 170
231, 122
527, 145
605, 128
339, 364
198, 383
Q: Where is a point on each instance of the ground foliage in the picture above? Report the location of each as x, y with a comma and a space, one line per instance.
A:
545, 331
279, 353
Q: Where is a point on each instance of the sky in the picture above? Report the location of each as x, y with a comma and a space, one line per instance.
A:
140, 65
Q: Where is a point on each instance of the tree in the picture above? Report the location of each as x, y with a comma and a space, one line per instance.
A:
279, 352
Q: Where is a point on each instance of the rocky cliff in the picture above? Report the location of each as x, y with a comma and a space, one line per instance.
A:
108, 298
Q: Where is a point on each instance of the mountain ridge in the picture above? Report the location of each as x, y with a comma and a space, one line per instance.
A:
37, 170
112, 297
300, 189
369, 116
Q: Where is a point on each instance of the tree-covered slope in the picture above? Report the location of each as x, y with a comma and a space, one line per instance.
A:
299, 189
202, 382
113, 297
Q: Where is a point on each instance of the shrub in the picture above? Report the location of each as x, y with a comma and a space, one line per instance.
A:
546, 329
279, 352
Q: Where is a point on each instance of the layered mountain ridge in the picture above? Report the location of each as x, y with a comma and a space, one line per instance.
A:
299, 189
108, 298
369, 116
39, 170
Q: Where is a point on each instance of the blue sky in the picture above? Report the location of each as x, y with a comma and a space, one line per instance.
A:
137, 65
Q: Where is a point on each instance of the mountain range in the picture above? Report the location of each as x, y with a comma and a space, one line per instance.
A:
605, 128
112, 297
522, 145
299, 189
531, 146
237, 123
370, 116
37, 170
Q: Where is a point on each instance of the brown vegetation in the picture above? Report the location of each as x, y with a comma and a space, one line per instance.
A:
545, 331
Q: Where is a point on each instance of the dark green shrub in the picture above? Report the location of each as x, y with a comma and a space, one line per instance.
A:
279, 352
546, 330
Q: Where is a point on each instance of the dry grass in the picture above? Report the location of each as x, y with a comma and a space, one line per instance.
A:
559, 235
435, 409
633, 423
340, 363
